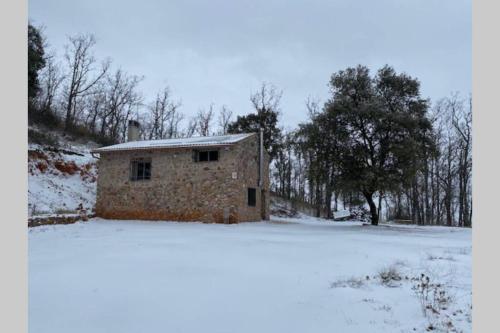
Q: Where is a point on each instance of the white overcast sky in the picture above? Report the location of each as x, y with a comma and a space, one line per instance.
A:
220, 51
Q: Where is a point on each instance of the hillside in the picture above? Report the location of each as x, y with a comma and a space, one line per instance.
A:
61, 175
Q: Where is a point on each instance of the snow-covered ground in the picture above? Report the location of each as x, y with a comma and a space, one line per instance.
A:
287, 275
61, 179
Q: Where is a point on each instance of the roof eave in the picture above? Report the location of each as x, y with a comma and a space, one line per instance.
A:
226, 144
100, 150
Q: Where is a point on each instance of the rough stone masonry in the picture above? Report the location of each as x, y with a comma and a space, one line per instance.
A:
180, 188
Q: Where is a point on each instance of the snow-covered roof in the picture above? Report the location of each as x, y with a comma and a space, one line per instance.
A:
201, 141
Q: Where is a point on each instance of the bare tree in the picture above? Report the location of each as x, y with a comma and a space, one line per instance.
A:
441, 191
159, 115
225, 118
51, 78
191, 127
96, 107
204, 121
175, 117
313, 107
80, 77
267, 99
266, 104
121, 99
165, 117
462, 123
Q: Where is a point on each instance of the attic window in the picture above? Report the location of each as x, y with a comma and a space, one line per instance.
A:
206, 155
140, 169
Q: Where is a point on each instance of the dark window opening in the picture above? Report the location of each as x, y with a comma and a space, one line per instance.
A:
213, 155
140, 169
252, 199
206, 156
202, 156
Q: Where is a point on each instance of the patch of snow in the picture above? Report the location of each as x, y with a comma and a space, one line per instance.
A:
287, 275
341, 214
52, 191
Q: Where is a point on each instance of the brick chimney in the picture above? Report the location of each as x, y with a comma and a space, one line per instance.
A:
133, 130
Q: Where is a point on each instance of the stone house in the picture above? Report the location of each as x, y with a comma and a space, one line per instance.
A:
222, 179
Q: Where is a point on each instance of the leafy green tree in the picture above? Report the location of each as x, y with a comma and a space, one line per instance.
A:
387, 127
36, 59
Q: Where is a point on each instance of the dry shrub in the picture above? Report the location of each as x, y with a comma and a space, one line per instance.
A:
86, 173
63, 211
432, 257
433, 296
389, 275
69, 168
37, 155
352, 282
42, 166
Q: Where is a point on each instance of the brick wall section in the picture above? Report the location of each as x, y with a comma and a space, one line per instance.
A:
181, 189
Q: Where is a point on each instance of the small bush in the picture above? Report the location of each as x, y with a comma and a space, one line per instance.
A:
80, 132
389, 275
37, 155
368, 300
385, 307
103, 140
431, 257
432, 296
42, 138
69, 168
352, 282
361, 214
33, 209
46, 118
42, 166
65, 211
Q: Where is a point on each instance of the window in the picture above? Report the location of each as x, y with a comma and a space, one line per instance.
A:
206, 155
140, 169
213, 155
202, 156
252, 197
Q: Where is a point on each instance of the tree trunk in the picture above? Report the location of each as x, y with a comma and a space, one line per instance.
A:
379, 209
68, 120
318, 200
328, 203
373, 207
447, 204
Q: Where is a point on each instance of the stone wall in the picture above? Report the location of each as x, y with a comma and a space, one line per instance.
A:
181, 189
35, 221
